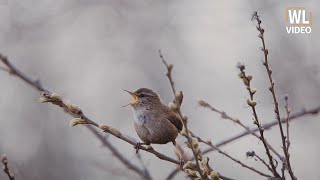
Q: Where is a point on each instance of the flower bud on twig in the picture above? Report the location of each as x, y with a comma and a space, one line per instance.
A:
73, 108
179, 97
110, 129
251, 103
173, 106
214, 176
77, 121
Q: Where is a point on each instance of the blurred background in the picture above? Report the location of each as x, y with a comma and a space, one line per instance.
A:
89, 50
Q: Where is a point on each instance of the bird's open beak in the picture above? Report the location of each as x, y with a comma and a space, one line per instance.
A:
135, 97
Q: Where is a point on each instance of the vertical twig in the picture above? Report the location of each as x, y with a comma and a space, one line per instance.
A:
178, 103
284, 164
287, 121
252, 103
272, 90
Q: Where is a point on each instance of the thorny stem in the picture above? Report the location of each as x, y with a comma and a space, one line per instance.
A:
37, 85
224, 115
6, 170
187, 135
246, 81
272, 90
230, 157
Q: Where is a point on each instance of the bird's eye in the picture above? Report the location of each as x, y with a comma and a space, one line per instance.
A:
141, 95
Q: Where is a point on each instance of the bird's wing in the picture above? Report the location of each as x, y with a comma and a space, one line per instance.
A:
174, 119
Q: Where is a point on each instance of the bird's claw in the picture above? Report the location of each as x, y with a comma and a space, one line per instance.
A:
137, 147
181, 163
139, 144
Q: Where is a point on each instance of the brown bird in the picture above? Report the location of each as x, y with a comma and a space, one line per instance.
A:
154, 122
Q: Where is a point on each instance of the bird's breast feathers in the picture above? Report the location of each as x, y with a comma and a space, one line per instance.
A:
140, 117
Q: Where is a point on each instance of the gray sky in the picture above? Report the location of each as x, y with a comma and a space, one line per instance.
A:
88, 51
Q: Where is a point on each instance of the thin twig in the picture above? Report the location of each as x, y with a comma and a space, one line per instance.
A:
284, 164
37, 85
251, 102
15, 72
287, 122
252, 154
230, 157
184, 121
272, 90
6, 170
224, 115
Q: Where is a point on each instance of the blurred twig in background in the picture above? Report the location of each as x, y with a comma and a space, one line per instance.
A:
224, 115
5, 167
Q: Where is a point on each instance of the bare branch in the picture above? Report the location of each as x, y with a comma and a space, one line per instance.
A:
287, 122
284, 164
6, 170
272, 90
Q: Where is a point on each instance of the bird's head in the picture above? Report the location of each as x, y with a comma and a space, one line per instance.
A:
143, 97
